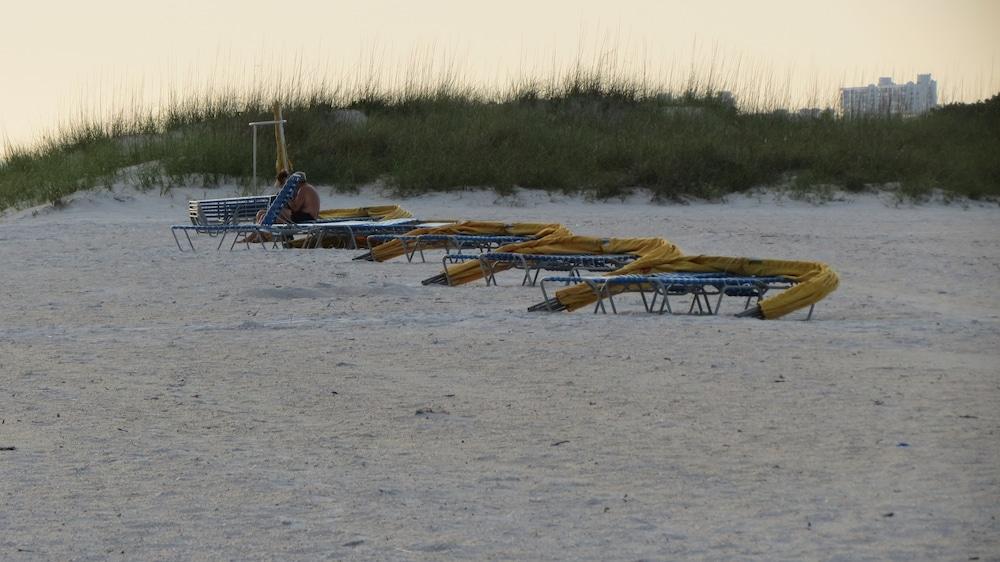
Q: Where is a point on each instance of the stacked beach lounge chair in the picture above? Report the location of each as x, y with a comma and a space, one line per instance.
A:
236, 216
229, 221
559, 251
456, 237
706, 280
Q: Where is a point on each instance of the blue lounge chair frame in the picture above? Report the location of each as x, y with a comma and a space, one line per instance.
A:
274, 235
661, 286
266, 226
414, 245
533, 264
350, 231
347, 229
230, 210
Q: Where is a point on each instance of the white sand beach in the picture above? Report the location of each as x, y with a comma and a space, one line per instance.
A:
263, 405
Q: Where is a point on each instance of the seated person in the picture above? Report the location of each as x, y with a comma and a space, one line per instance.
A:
303, 207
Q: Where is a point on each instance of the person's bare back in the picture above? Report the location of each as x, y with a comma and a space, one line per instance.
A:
303, 207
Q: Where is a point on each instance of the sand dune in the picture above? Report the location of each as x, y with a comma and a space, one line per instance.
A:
298, 405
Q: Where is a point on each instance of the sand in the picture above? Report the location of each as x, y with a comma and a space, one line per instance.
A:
296, 405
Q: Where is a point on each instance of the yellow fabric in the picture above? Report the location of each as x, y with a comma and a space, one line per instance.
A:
564, 242
378, 212
814, 280
394, 248
281, 162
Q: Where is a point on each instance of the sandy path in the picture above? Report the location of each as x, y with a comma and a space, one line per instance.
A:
262, 405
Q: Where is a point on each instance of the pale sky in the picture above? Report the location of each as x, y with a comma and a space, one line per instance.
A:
64, 58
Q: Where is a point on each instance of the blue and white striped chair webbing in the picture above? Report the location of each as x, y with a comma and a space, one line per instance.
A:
283, 198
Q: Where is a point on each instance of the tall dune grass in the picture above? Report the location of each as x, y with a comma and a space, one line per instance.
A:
594, 129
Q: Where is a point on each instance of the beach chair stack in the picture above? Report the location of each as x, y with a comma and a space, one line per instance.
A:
593, 272
233, 210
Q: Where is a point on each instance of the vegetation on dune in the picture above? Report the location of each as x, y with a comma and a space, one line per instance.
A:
587, 134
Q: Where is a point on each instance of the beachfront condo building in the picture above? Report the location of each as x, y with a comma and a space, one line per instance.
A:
889, 98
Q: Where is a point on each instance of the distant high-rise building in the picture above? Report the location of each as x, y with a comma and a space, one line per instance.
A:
889, 98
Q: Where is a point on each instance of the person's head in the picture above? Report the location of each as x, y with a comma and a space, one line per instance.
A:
281, 178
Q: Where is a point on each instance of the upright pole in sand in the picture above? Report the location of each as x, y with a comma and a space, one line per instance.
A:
254, 126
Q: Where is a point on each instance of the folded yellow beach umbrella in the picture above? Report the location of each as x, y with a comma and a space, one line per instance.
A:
377, 212
562, 241
281, 161
395, 248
